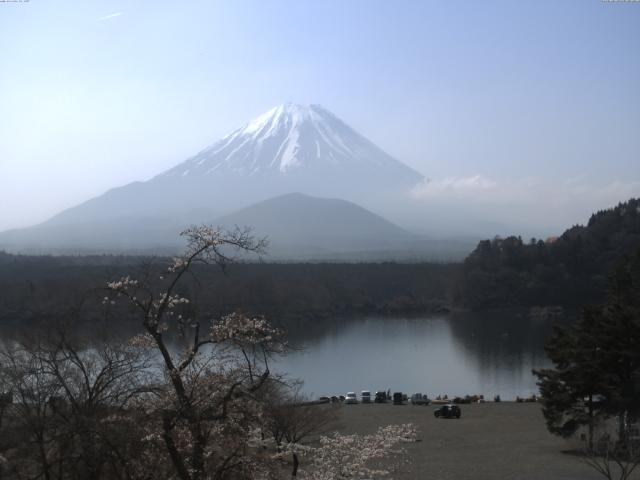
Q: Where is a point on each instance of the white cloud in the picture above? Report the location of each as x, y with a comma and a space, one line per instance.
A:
110, 16
481, 187
531, 200
453, 186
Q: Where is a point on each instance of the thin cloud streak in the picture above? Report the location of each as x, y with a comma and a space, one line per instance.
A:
452, 185
110, 16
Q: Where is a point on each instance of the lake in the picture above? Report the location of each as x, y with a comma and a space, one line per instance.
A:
453, 354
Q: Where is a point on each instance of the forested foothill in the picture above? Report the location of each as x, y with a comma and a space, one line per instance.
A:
570, 270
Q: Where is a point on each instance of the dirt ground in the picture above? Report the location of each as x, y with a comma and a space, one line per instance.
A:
491, 441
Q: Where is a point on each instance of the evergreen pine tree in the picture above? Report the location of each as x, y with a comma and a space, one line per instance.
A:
597, 362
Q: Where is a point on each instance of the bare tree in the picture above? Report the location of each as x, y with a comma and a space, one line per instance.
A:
65, 394
28, 420
292, 418
614, 459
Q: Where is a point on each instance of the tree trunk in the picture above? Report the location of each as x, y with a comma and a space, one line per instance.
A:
590, 406
197, 452
174, 454
622, 428
43, 457
294, 472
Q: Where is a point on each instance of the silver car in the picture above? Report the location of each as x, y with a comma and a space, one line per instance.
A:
351, 398
419, 399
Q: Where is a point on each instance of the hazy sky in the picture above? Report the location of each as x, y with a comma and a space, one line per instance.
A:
496, 101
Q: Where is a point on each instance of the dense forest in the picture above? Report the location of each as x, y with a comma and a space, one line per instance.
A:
572, 269
41, 288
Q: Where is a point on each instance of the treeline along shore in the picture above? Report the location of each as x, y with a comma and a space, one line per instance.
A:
568, 271
292, 294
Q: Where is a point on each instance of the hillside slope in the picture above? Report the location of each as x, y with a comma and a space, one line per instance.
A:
570, 269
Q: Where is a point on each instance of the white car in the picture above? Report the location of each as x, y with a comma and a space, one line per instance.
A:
350, 398
366, 396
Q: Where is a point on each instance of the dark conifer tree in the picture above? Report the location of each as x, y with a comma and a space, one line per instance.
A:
597, 362
574, 393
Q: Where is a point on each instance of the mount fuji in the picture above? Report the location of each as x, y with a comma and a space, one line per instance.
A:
290, 148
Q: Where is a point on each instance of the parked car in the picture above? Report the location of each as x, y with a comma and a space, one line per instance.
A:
419, 399
381, 397
398, 398
324, 399
633, 434
351, 398
365, 396
448, 411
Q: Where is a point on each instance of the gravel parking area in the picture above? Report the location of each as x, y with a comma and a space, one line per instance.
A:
491, 441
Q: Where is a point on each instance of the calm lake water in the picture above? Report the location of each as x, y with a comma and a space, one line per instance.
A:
453, 354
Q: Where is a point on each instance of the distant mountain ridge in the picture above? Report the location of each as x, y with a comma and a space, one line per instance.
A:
298, 225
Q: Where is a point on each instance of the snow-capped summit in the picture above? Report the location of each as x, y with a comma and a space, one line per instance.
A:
290, 148
291, 138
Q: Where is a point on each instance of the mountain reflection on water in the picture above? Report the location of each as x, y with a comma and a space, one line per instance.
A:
454, 354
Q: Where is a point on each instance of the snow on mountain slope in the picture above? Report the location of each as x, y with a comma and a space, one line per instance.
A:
289, 139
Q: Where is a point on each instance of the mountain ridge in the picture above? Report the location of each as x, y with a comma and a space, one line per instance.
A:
309, 225
289, 148
299, 227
